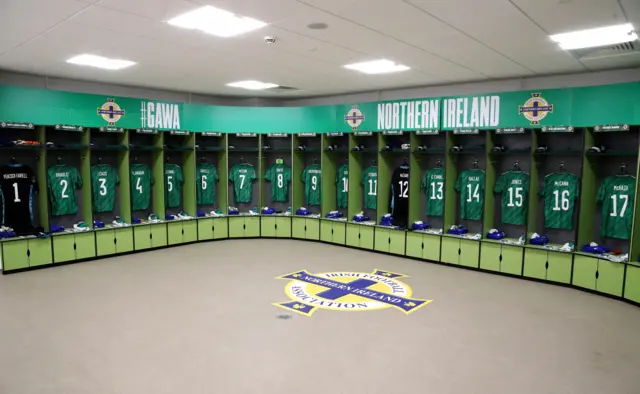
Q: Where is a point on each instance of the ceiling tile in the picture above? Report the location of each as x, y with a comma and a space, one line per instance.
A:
561, 16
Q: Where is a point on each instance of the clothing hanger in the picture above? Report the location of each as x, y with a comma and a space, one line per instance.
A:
475, 164
562, 169
167, 158
99, 159
516, 165
13, 160
135, 159
405, 162
203, 160
315, 160
438, 163
59, 161
623, 169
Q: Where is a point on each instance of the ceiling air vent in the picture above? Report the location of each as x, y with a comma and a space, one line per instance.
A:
625, 48
283, 89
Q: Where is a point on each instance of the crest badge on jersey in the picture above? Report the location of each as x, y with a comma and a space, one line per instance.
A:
348, 292
535, 109
354, 117
111, 112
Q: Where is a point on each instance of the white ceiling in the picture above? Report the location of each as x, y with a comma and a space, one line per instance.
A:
443, 41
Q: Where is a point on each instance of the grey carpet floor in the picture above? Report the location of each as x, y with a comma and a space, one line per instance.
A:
199, 319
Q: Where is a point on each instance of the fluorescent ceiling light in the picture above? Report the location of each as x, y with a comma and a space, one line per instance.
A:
100, 62
252, 85
596, 37
377, 67
215, 21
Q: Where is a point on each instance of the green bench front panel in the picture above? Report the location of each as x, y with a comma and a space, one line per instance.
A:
597, 274
333, 231
244, 226
460, 251
114, 241
632, 283
359, 236
25, 253
423, 246
77, 246
547, 265
501, 258
275, 227
305, 228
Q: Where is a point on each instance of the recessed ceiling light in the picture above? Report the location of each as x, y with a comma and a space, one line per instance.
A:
317, 26
252, 85
596, 37
100, 62
215, 21
377, 67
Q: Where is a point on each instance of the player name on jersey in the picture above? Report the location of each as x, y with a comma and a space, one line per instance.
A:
14, 176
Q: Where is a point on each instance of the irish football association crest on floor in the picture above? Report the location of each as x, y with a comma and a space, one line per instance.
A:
348, 291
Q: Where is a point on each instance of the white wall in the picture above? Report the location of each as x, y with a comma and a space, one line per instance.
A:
548, 82
40, 82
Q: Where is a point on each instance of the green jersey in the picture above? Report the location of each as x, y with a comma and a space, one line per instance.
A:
63, 181
172, 185
514, 187
141, 182
206, 178
103, 186
279, 175
560, 193
616, 196
370, 184
312, 177
342, 181
433, 186
242, 176
470, 184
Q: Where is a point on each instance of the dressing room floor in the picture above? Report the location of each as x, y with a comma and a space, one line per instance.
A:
199, 319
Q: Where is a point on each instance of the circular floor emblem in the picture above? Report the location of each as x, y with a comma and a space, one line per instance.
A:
348, 291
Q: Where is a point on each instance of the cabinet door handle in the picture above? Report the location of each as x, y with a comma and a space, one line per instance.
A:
389, 240
150, 235
597, 274
546, 265
213, 228
422, 245
500, 257
331, 231
115, 240
459, 251
28, 252
74, 246
305, 228
244, 226
358, 235
276, 226
182, 231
